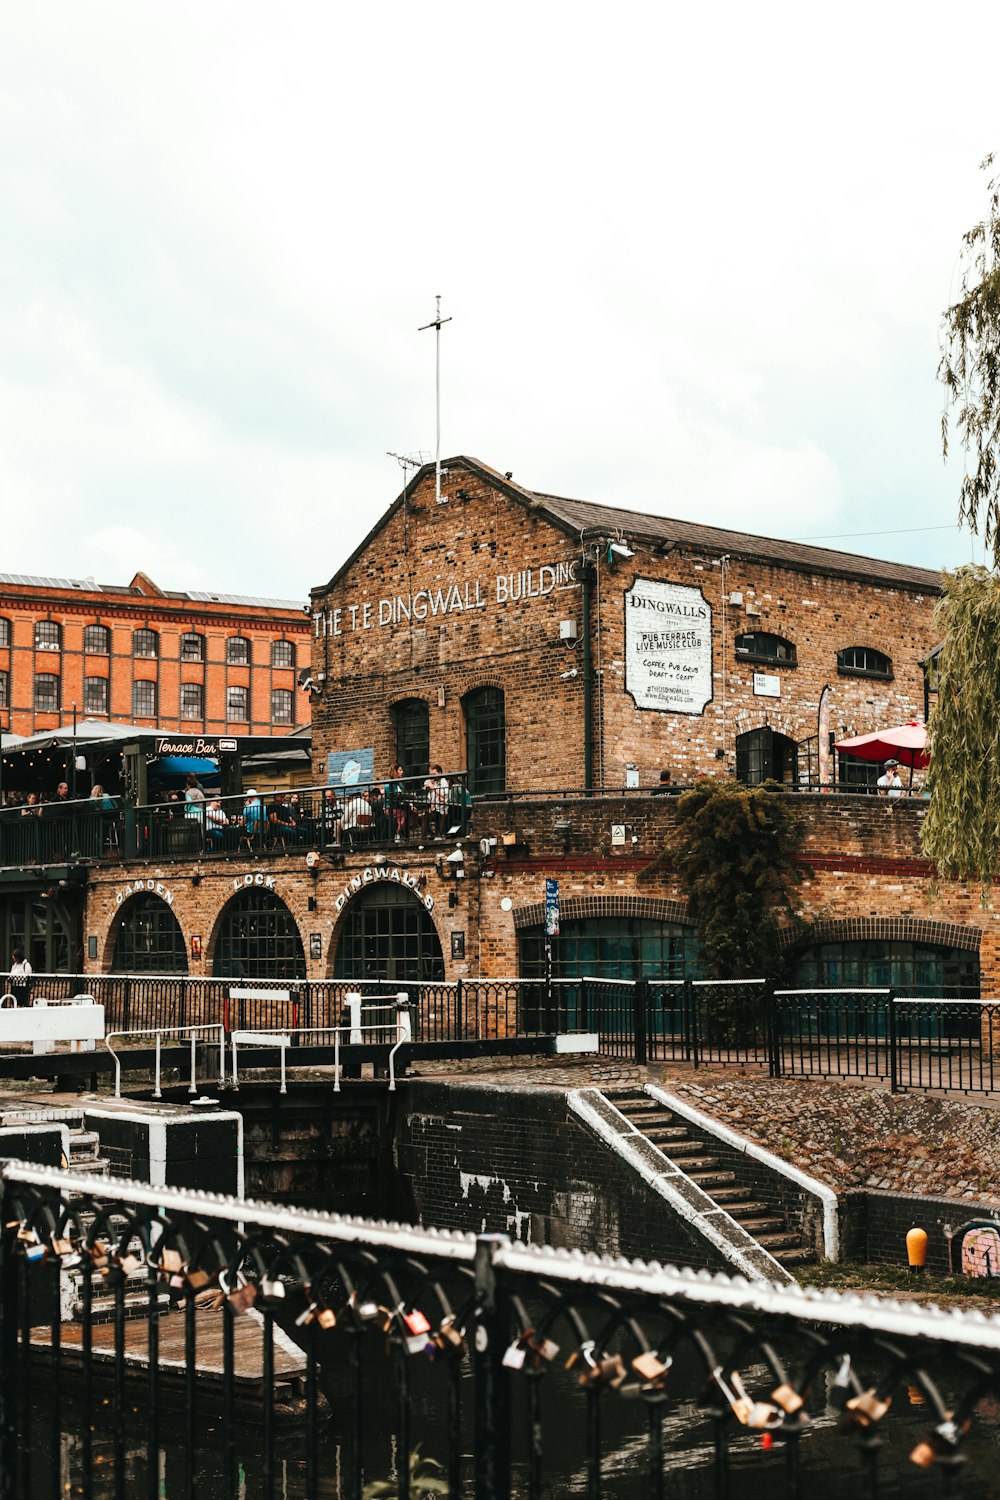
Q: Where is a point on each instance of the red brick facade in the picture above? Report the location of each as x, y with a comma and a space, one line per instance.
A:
186, 692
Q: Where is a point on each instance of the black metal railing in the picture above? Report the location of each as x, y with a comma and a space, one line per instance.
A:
912, 1043
158, 1341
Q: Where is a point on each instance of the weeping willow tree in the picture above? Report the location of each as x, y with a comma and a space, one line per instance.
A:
736, 850
970, 371
961, 831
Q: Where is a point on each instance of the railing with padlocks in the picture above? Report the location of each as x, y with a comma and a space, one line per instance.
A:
420, 1352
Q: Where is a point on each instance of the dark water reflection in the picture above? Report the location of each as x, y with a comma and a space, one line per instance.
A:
830, 1461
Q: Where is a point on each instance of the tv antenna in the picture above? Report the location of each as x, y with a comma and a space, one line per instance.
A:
436, 325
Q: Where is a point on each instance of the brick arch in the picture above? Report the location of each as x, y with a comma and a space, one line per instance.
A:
211, 946
472, 682
578, 908
884, 929
341, 921
415, 695
114, 926
772, 718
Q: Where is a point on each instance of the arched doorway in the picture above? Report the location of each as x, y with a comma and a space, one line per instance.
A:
258, 939
148, 938
388, 934
765, 755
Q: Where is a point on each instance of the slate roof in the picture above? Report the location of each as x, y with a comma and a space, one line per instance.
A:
574, 516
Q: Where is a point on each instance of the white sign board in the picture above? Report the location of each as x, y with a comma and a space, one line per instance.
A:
765, 686
668, 647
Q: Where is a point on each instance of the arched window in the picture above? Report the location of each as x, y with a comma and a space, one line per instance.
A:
773, 650
4, 632
765, 755
97, 640
258, 939
148, 938
192, 646
48, 635
145, 643
238, 651
238, 704
917, 969
4, 689
413, 736
388, 934
46, 693
864, 661
282, 653
485, 740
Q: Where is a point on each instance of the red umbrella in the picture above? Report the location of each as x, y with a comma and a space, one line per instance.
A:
906, 743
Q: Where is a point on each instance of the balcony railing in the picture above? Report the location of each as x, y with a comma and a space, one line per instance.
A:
414, 811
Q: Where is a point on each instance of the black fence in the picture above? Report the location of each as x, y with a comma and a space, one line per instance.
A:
910, 1043
158, 1342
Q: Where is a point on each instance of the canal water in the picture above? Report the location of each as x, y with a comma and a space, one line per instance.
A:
830, 1461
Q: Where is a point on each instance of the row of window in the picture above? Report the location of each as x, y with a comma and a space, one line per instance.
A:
485, 739
146, 644
775, 651
145, 699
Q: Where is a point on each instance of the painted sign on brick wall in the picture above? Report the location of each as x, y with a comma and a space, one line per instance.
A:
668, 647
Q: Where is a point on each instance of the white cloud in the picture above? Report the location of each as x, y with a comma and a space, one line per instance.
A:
696, 259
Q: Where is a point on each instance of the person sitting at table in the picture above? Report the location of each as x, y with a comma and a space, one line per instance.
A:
333, 817
357, 817
279, 821
216, 822
253, 817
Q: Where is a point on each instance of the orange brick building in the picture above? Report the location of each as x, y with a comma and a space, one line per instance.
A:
192, 662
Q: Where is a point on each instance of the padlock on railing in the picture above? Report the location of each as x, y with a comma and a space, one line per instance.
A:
242, 1296
841, 1385
788, 1398
604, 1369
416, 1330
942, 1443
448, 1337
69, 1256
272, 1289
867, 1409
652, 1370
739, 1402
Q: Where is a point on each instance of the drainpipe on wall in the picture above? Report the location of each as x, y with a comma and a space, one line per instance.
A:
587, 575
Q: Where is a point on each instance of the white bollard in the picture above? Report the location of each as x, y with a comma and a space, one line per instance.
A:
404, 1031
353, 1003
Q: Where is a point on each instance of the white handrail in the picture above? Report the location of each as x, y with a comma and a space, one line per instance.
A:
399, 1029
161, 1031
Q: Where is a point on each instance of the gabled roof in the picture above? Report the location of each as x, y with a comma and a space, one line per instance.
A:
575, 517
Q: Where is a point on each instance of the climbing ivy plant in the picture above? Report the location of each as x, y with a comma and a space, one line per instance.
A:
736, 850
961, 831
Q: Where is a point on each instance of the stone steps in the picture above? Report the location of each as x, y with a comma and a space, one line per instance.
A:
672, 1135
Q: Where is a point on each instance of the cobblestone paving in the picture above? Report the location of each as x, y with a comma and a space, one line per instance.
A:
848, 1135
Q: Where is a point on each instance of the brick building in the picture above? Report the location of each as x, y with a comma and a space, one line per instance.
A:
535, 642
537, 647
136, 653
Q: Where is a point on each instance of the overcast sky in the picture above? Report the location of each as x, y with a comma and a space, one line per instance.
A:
696, 258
